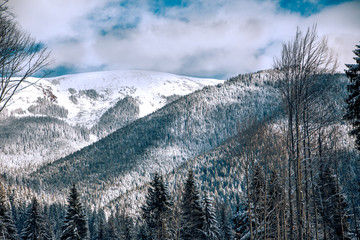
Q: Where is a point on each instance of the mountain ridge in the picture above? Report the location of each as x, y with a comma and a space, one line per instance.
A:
183, 129
93, 104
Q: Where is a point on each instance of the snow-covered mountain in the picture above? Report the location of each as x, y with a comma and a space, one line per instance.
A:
86, 96
164, 140
197, 131
57, 116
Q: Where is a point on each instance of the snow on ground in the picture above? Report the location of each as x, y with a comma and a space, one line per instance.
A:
86, 107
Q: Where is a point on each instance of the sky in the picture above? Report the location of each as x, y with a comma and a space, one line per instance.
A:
202, 38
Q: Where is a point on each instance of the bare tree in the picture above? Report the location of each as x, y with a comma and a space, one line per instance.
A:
302, 60
20, 56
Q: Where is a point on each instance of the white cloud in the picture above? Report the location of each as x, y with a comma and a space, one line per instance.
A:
209, 38
341, 26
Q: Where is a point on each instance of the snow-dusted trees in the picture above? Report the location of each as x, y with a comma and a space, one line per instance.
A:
225, 228
211, 226
35, 224
157, 209
7, 226
75, 224
353, 116
192, 213
353, 100
20, 56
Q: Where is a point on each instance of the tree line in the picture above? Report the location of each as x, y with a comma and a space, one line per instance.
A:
192, 217
298, 180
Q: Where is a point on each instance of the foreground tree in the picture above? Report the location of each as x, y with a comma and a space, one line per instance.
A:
20, 57
303, 61
353, 116
224, 224
211, 225
35, 225
75, 224
7, 225
353, 100
192, 213
157, 209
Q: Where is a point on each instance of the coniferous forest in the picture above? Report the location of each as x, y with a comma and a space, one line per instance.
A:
269, 155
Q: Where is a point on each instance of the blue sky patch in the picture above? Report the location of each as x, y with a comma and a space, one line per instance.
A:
308, 7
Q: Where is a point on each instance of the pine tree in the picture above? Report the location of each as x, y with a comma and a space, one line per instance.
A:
99, 225
353, 100
56, 213
192, 216
7, 226
111, 230
101, 230
211, 226
75, 223
126, 227
35, 225
224, 224
157, 209
142, 233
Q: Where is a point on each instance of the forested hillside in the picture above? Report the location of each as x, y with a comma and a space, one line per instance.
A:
238, 143
82, 108
183, 129
91, 150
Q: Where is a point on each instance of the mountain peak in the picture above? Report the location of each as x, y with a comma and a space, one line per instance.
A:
86, 96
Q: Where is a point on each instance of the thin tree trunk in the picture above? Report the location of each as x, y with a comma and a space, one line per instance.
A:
265, 208
290, 160
355, 216
249, 200
298, 174
320, 195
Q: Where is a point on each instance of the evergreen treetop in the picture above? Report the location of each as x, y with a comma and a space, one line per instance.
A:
211, 225
353, 100
35, 225
157, 209
192, 216
7, 226
75, 223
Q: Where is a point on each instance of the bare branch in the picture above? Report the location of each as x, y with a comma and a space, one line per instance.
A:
20, 57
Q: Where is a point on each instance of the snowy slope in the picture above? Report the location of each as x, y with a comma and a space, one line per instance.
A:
87, 96
57, 116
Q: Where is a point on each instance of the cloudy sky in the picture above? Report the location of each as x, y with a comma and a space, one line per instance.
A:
205, 38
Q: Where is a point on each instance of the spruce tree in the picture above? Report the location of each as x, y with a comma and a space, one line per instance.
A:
157, 209
111, 230
192, 214
224, 224
126, 227
101, 230
7, 226
211, 226
353, 100
35, 224
75, 224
